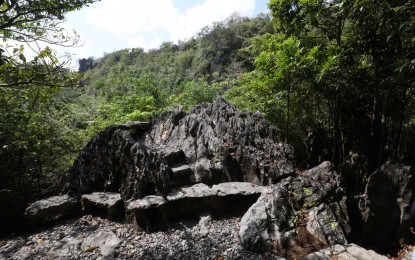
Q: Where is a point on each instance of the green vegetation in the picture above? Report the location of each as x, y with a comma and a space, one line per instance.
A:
336, 77
133, 84
35, 139
45, 123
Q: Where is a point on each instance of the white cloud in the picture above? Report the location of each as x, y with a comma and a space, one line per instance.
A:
145, 43
111, 25
148, 23
201, 15
130, 16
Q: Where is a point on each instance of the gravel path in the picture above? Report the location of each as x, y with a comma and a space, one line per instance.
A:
94, 238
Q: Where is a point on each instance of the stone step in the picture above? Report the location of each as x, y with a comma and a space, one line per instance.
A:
155, 213
106, 205
181, 171
180, 176
175, 157
51, 208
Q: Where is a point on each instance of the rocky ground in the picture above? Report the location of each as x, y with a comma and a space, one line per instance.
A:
94, 238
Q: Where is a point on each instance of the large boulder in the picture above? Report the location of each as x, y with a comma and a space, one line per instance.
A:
308, 205
103, 204
384, 207
323, 224
314, 186
211, 144
12, 207
106, 241
154, 213
103, 162
349, 252
317, 193
51, 208
268, 220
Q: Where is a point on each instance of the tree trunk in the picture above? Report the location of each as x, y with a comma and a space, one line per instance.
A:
287, 125
400, 123
40, 171
373, 150
337, 145
19, 169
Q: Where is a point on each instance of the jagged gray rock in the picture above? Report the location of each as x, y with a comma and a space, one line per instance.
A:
183, 165
106, 241
102, 164
153, 213
204, 225
313, 186
314, 193
51, 208
319, 185
350, 252
384, 207
63, 248
107, 205
268, 220
213, 143
323, 224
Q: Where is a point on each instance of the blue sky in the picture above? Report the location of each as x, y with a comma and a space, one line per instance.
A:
112, 25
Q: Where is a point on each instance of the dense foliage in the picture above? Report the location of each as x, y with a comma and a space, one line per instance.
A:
134, 84
336, 77
43, 127
33, 138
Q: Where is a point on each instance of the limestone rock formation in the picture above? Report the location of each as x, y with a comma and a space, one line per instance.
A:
106, 241
316, 185
348, 252
216, 161
323, 225
107, 205
384, 207
313, 196
267, 220
211, 144
51, 208
153, 213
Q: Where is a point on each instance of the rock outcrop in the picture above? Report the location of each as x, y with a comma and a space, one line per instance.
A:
323, 225
213, 162
213, 143
153, 213
341, 252
384, 207
51, 208
107, 205
319, 190
268, 220
313, 199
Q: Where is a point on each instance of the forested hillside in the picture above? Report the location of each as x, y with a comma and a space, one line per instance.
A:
43, 128
335, 77
134, 84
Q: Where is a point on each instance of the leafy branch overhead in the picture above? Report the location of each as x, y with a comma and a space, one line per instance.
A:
34, 139
340, 73
30, 26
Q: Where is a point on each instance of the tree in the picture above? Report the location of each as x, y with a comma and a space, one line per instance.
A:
86, 64
33, 24
34, 136
349, 64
